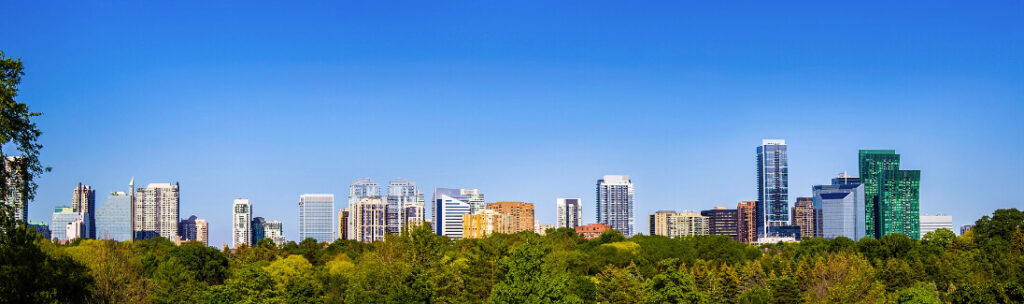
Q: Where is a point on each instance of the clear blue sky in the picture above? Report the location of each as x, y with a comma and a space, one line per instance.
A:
527, 102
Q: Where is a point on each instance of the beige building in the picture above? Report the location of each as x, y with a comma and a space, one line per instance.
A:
366, 220
803, 215
485, 222
674, 224
520, 213
747, 221
202, 232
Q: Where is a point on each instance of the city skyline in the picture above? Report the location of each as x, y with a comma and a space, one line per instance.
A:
520, 105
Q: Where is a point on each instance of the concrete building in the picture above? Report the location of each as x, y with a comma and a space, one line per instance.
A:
316, 217
76, 229
931, 223
520, 214
747, 222
241, 223
14, 180
772, 187
367, 221
592, 231
343, 224
114, 218
839, 209
542, 229
202, 232
675, 224
404, 206
804, 216
156, 211
615, 203
568, 212
83, 200
274, 231
449, 207
485, 222
723, 221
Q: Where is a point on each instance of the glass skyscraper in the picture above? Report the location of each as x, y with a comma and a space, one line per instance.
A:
772, 187
840, 210
615, 203
114, 218
62, 217
316, 217
892, 196
259, 230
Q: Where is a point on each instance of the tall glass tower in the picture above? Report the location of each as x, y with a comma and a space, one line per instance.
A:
615, 203
114, 218
772, 187
316, 217
892, 196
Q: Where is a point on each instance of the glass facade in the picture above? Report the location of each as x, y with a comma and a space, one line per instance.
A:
615, 203
259, 226
62, 217
114, 218
723, 221
404, 205
772, 188
316, 217
840, 210
188, 229
892, 195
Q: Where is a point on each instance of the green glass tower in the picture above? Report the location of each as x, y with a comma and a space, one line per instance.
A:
892, 195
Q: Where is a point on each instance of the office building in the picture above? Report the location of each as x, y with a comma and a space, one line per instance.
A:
241, 223
804, 216
316, 217
449, 206
723, 221
568, 212
62, 217
202, 232
114, 218
892, 195
845, 179
615, 203
593, 231
931, 223
76, 229
364, 187
772, 187
188, 229
367, 221
274, 231
155, 211
658, 222
404, 206
747, 222
520, 214
675, 224
83, 201
485, 222
839, 209
42, 229
15, 197
343, 224
259, 232
542, 229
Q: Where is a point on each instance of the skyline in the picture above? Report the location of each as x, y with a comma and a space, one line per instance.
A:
527, 105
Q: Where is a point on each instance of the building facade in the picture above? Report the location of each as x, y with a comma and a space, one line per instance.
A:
404, 205
804, 216
520, 214
449, 207
62, 217
592, 231
931, 223
83, 200
241, 223
41, 228
155, 211
772, 187
568, 212
274, 231
343, 224
367, 219
615, 203
114, 218
723, 221
658, 222
188, 229
485, 222
316, 217
839, 209
675, 224
965, 229
202, 232
542, 229
15, 197
259, 230
747, 221
892, 195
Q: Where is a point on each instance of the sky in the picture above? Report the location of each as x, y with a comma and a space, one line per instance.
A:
526, 101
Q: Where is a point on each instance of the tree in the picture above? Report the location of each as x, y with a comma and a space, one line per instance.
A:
672, 286
526, 282
619, 285
784, 290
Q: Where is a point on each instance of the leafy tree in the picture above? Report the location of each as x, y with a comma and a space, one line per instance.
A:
620, 285
525, 282
248, 285
920, 293
784, 290
672, 286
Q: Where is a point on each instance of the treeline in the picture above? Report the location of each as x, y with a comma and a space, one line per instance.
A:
986, 265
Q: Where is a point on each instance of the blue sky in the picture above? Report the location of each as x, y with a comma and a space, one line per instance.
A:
527, 102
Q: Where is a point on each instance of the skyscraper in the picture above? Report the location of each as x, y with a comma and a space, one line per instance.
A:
316, 217
404, 205
931, 223
520, 214
615, 203
114, 218
747, 212
361, 188
343, 224
449, 206
188, 229
62, 217
259, 230
156, 211
241, 223
804, 216
367, 219
772, 187
84, 202
892, 195
839, 208
202, 232
569, 212
14, 177
274, 231
723, 221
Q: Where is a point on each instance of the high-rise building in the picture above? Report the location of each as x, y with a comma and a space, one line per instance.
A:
76, 229
675, 224
593, 231
259, 230
723, 221
41, 228
892, 195
241, 223
188, 229
747, 222
931, 223
839, 208
615, 203
845, 179
155, 211
485, 222
84, 202
363, 187
804, 216
772, 187
449, 206
367, 219
62, 217
202, 232
343, 224
114, 218
569, 212
965, 228
14, 178
404, 205
274, 232
542, 229
520, 214
316, 217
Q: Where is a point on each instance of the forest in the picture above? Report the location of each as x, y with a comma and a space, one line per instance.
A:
985, 265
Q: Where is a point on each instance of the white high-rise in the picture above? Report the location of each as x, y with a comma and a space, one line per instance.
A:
449, 206
569, 213
155, 211
615, 203
274, 232
241, 223
404, 205
931, 223
367, 219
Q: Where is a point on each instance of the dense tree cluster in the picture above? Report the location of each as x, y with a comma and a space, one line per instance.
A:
984, 266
